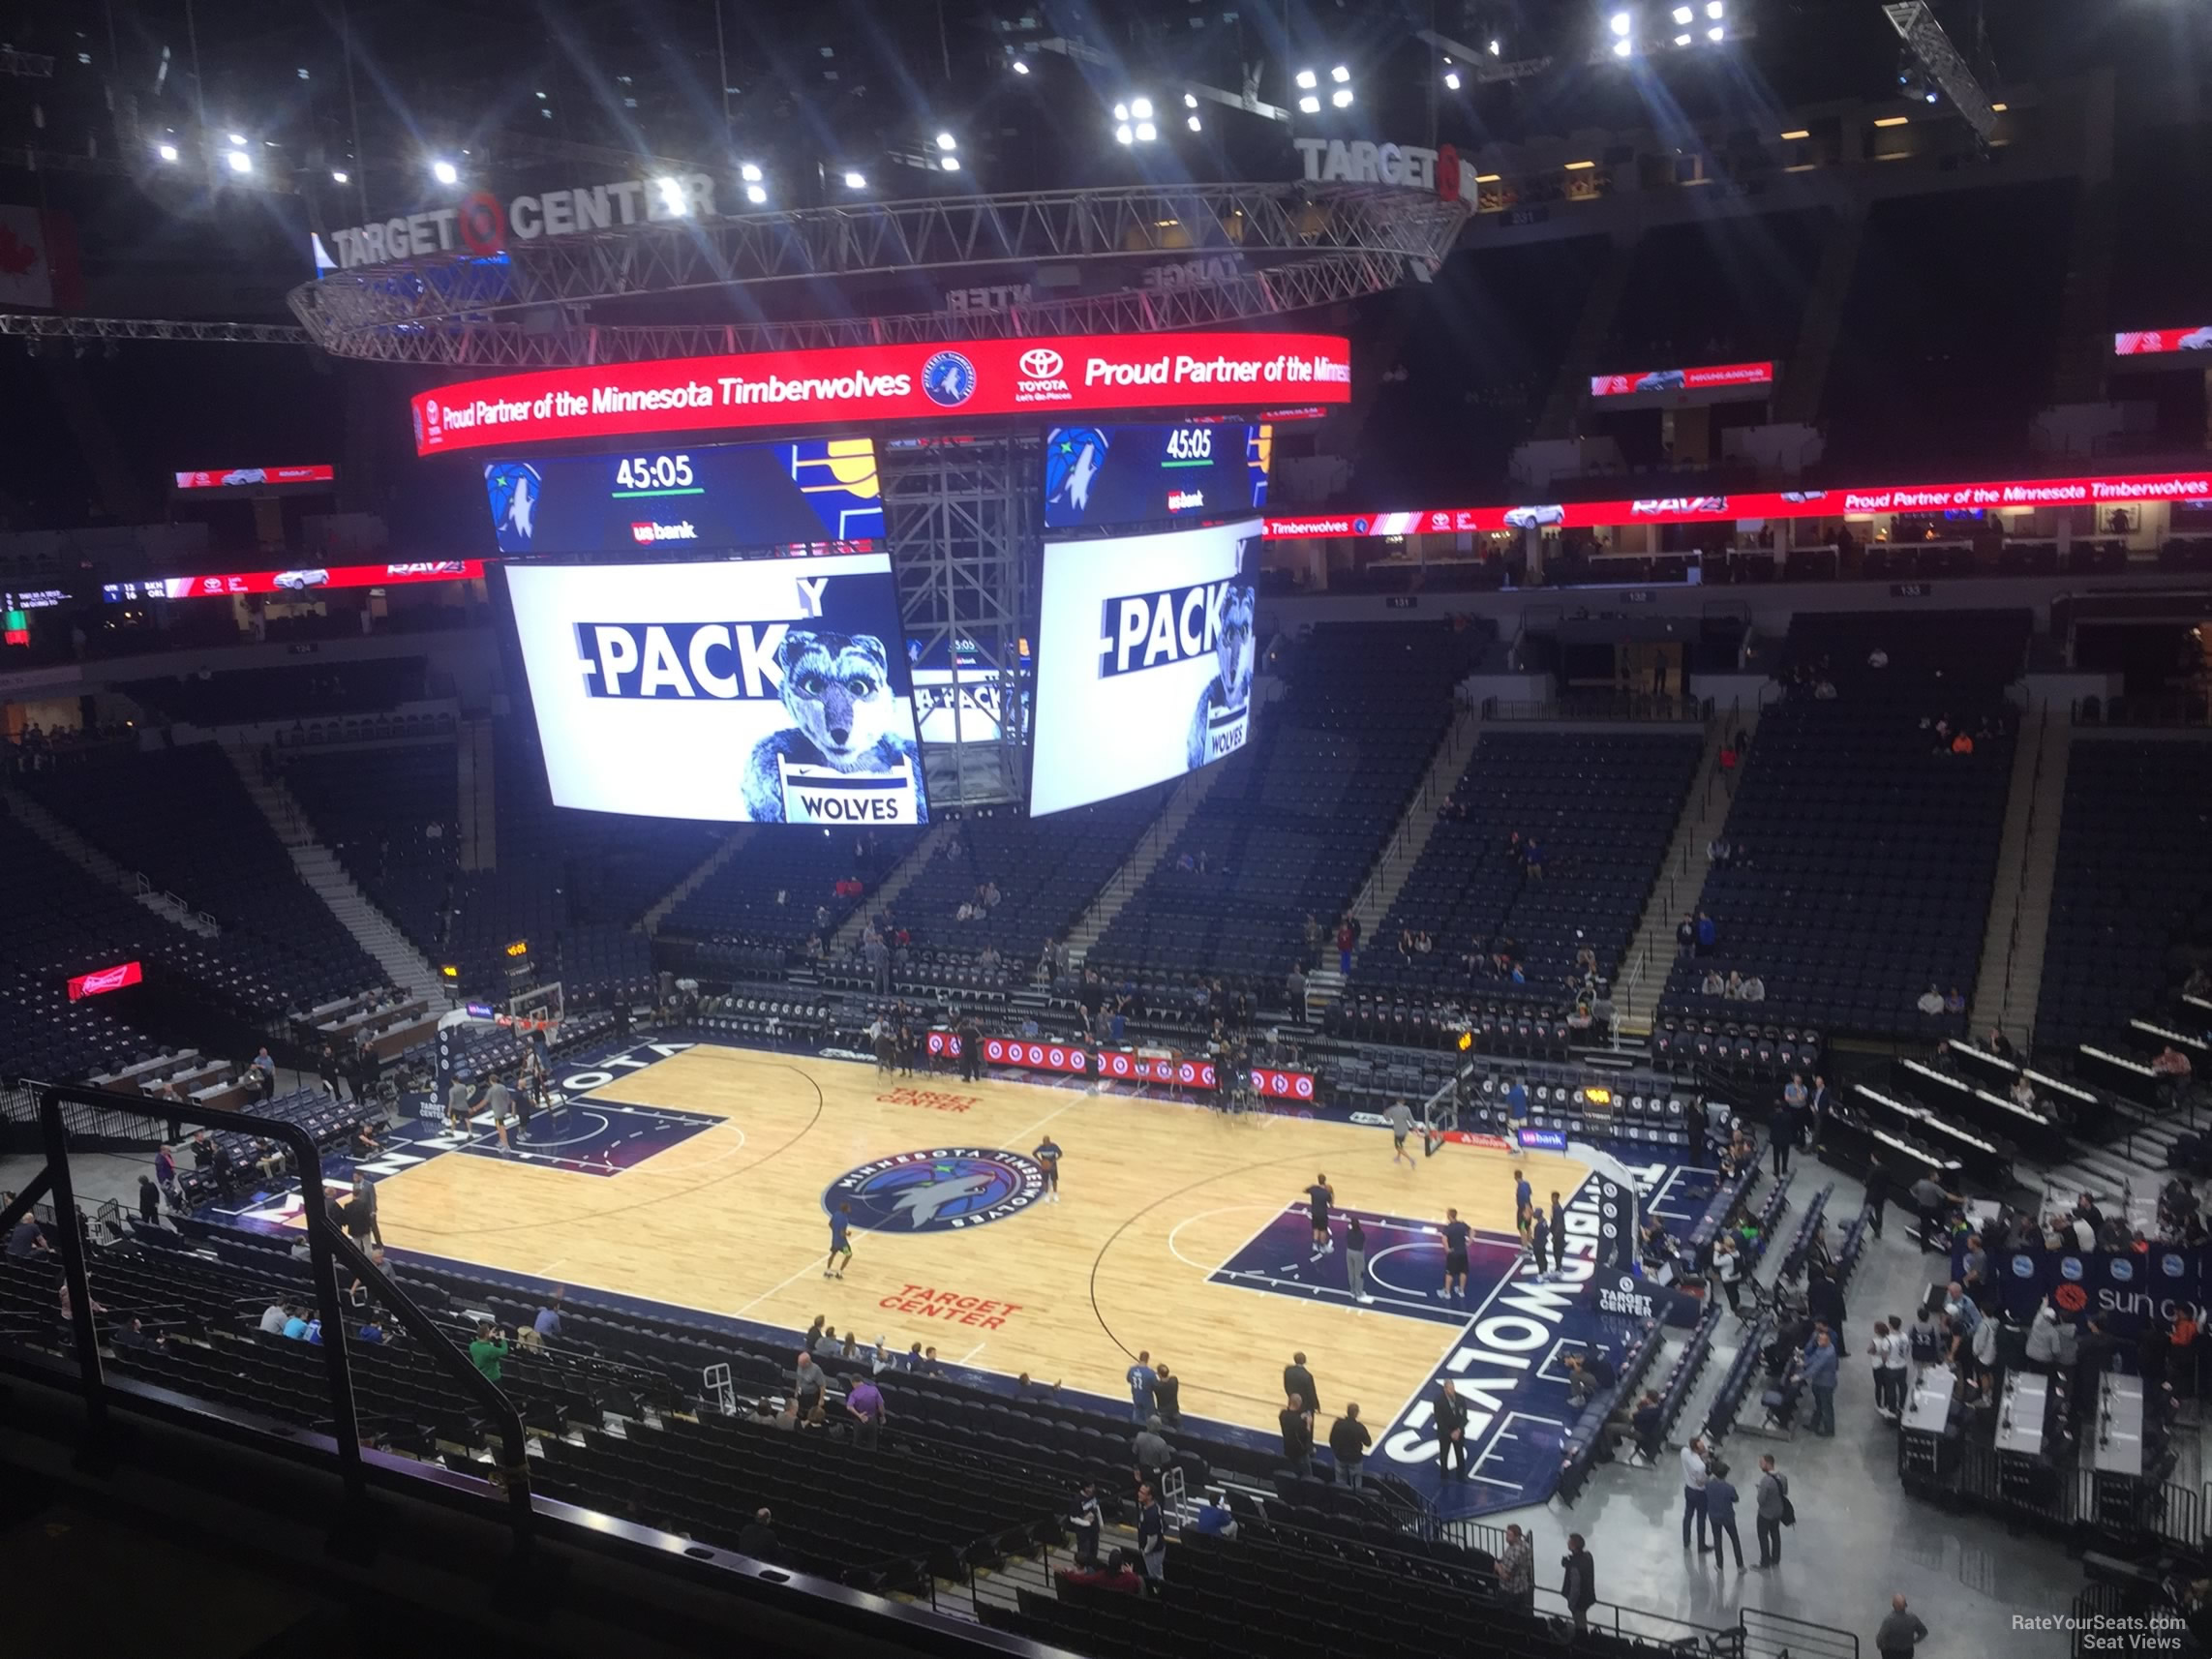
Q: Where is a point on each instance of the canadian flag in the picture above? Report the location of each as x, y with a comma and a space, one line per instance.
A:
38, 261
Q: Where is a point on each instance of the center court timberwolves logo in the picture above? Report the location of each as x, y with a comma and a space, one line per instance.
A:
939, 1191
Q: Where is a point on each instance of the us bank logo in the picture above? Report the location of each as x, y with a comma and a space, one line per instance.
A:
942, 1190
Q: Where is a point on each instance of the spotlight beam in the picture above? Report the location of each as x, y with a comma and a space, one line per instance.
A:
1082, 53
1931, 48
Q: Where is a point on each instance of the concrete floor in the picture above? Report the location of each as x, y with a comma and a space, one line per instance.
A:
1859, 1539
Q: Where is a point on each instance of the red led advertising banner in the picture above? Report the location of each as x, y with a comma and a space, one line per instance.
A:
313, 579
2152, 342
103, 980
1282, 1085
1683, 379
2023, 492
247, 478
848, 384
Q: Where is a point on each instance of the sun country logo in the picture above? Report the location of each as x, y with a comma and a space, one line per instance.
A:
942, 1190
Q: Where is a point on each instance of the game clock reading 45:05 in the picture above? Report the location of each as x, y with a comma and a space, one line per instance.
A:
1191, 443
653, 473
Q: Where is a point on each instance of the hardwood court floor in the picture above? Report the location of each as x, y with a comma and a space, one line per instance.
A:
1156, 1196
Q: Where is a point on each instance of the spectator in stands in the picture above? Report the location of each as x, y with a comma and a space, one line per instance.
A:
1707, 933
1087, 1518
1590, 1374
1345, 937
547, 1324
1712, 985
265, 1071
203, 1151
1297, 1435
808, 1385
1900, 1632
1579, 1585
295, 1326
1934, 1203
488, 1354
1349, 1440
327, 1069
1686, 936
1151, 1533
359, 1213
1517, 1570
1753, 989
2000, 1045
1167, 1395
864, 1402
757, 1537
274, 1318
1954, 1001
1931, 1002
1143, 1381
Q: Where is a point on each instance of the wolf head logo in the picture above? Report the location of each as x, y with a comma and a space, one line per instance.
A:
836, 687
1232, 650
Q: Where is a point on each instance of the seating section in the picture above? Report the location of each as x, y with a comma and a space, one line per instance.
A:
572, 884
1863, 850
1045, 871
1714, 291
786, 886
246, 696
2134, 880
1600, 806
182, 818
1295, 823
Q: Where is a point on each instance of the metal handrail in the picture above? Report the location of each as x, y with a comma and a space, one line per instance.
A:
327, 1248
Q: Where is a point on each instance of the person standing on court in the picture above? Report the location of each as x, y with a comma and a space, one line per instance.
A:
1456, 1234
457, 1107
1047, 1156
1720, 1514
1142, 1381
1355, 1259
840, 1255
1695, 1480
1559, 1238
1298, 1381
1900, 1632
1318, 1197
1451, 1430
1539, 1236
1297, 1435
1771, 1501
1579, 1585
1400, 1118
1516, 1112
501, 1105
1349, 1440
327, 1069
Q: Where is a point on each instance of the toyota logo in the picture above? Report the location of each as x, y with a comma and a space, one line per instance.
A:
1040, 363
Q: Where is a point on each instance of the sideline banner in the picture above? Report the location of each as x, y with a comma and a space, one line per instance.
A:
2124, 1287
920, 381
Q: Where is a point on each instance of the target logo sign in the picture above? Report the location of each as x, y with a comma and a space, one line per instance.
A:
483, 224
1036, 1056
1282, 1085
946, 1043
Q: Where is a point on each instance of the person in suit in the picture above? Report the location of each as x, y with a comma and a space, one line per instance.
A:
1451, 1430
1721, 1513
1771, 1501
1297, 1435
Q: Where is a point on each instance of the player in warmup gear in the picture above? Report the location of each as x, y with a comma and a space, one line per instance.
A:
1318, 1197
1400, 1118
1456, 1234
1047, 1156
1517, 1109
840, 1242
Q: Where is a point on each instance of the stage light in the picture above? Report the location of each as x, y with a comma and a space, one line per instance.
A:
1715, 9
756, 194
1621, 48
339, 175
1682, 14
1309, 104
240, 161
1121, 111
749, 172
1123, 135
1580, 167
237, 137
1496, 48
444, 172
1891, 120
1190, 101
1342, 97
856, 181
1020, 68
1308, 80
1797, 133
1681, 39
1339, 75
946, 141
1999, 109
1146, 132
1621, 23
1141, 108
1193, 122
1451, 78
951, 163
672, 197
1715, 33
1928, 96
167, 152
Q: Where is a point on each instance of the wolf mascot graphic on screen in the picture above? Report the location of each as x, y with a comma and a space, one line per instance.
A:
1219, 724
846, 721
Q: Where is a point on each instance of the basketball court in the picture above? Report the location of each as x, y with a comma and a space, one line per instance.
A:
698, 1177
